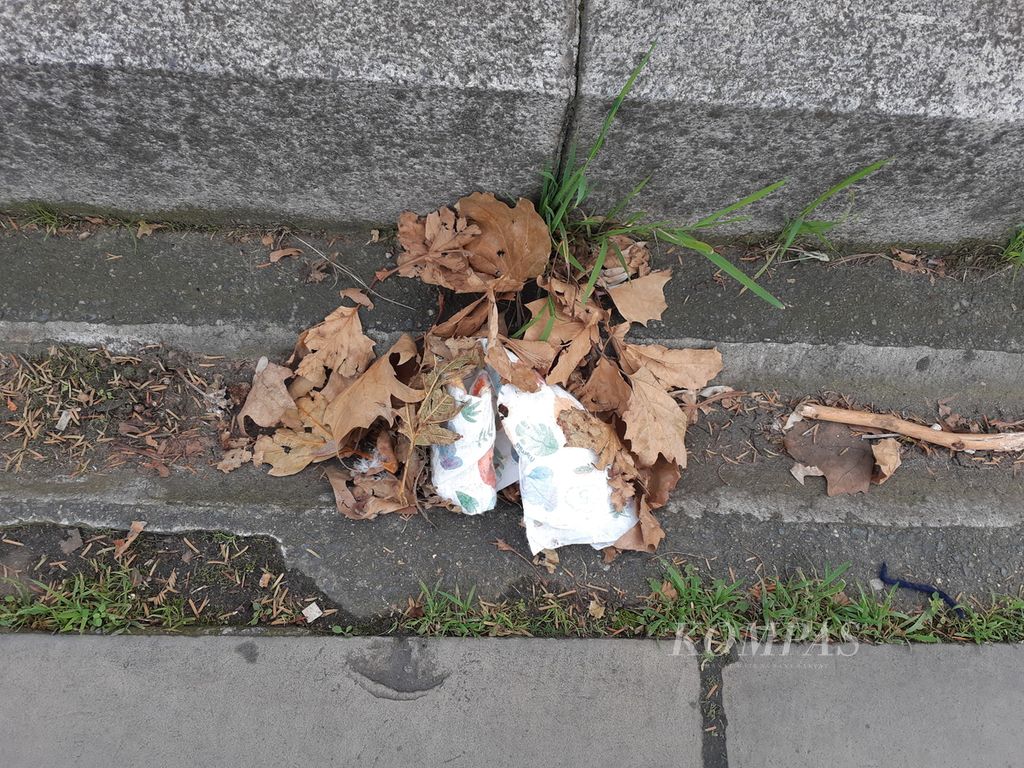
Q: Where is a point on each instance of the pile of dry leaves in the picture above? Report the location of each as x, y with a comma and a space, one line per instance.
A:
370, 418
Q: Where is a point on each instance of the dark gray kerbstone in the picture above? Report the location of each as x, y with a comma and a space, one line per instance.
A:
347, 111
742, 93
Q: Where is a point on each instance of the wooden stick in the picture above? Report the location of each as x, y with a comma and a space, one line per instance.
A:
958, 441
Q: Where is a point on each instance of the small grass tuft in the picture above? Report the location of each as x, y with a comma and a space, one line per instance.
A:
1013, 253
803, 226
564, 193
45, 219
106, 602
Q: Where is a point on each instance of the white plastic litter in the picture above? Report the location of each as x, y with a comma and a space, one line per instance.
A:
566, 499
464, 472
312, 612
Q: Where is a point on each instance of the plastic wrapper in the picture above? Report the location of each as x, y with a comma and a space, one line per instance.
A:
566, 499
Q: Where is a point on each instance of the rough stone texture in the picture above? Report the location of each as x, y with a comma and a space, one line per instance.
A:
742, 93
349, 111
268, 702
948, 706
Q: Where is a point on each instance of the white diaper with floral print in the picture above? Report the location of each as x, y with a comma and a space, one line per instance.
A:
566, 499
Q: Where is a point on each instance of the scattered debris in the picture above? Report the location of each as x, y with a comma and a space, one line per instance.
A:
121, 545
90, 408
489, 403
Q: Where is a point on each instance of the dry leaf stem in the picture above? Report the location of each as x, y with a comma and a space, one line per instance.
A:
1006, 441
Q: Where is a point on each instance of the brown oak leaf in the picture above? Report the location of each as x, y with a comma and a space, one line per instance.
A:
268, 402
288, 450
434, 250
655, 424
605, 390
370, 396
336, 344
364, 497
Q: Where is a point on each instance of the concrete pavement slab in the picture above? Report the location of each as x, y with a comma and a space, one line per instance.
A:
165, 702
882, 706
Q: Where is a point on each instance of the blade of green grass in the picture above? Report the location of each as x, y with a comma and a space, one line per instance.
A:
801, 224
686, 241
716, 217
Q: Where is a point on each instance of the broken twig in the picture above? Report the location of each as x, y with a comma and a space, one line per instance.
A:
1005, 441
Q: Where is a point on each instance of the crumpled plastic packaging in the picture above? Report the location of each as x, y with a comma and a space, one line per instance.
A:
566, 499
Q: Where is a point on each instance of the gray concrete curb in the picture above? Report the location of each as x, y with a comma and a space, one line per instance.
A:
356, 111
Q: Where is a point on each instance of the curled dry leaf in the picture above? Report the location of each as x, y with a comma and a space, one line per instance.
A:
659, 480
517, 373
234, 458
573, 355
121, 545
674, 368
337, 344
643, 299
466, 322
283, 253
370, 396
887, 459
655, 424
268, 402
434, 250
645, 536
288, 450
605, 390
486, 246
364, 497
358, 296
844, 458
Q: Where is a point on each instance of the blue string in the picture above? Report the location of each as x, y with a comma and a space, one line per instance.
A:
927, 589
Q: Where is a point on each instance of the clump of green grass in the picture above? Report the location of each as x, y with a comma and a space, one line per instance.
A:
564, 194
1013, 253
45, 218
105, 602
716, 613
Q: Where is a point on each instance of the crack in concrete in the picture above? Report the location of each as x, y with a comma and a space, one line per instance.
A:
565, 139
714, 753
